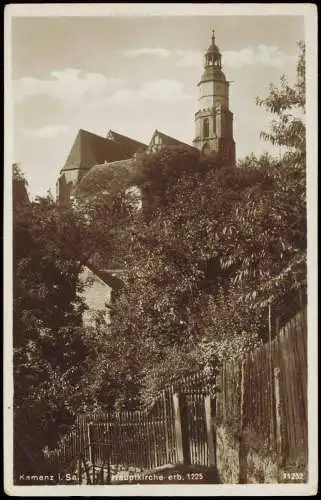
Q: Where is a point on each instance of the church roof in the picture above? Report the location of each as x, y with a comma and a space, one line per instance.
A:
108, 175
213, 48
90, 149
128, 145
213, 64
211, 73
167, 140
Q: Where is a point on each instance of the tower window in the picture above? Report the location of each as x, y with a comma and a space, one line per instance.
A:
206, 128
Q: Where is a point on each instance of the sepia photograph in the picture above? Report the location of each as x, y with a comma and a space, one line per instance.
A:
160, 249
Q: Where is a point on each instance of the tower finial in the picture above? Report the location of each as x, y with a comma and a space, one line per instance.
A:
213, 37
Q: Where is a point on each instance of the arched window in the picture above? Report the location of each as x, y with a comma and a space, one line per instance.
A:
217, 62
206, 128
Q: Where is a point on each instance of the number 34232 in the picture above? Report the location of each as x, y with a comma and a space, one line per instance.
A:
293, 476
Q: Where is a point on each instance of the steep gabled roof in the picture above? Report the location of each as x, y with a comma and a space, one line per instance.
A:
90, 149
128, 145
110, 277
167, 140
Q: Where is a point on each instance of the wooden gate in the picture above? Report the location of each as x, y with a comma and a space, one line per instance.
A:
194, 418
194, 429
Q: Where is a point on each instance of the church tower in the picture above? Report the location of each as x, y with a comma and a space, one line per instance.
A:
214, 120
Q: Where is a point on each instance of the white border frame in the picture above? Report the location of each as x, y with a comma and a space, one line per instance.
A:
309, 11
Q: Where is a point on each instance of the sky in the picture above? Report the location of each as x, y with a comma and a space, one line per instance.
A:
134, 75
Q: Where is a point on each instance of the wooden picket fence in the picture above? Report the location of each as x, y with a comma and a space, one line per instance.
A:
265, 393
119, 441
139, 439
172, 431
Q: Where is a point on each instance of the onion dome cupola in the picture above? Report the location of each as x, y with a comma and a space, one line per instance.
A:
213, 63
213, 56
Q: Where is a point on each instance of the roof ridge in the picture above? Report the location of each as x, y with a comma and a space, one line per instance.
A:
113, 281
127, 137
171, 137
81, 130
126, 160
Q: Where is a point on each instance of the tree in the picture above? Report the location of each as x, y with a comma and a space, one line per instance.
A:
287, 104
213, 247
287, 218
19, 186
56, 360
176, 261
46, 315
103, 200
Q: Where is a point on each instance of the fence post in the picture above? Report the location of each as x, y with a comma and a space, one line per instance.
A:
242, 396
185, 429
277, 410
243, 449
209, 430
79, 471
89, 442
271, 377
178, 428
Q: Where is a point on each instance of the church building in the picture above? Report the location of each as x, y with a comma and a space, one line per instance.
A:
213, 124
92, 158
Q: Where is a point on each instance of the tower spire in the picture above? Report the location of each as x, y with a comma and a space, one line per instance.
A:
214, 120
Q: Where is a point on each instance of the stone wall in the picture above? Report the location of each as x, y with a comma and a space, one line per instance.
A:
261, 469
238, 463
227, 456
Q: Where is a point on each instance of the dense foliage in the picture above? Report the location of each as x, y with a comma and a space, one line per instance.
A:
55, 357
212, 248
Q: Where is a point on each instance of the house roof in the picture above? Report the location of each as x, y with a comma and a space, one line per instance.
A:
110, 277
90, 149
128, 145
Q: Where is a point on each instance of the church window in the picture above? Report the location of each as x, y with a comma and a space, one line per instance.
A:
206, 128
